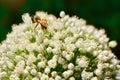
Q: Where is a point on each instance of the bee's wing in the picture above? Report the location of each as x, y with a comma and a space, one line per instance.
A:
27, 19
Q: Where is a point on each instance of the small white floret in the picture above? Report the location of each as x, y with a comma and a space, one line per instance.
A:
112, 44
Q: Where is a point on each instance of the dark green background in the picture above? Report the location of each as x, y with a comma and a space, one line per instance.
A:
101, 13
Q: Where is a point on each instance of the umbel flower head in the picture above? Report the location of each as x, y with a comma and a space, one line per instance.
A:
49, 48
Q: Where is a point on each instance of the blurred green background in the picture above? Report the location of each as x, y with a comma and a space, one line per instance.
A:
101, 13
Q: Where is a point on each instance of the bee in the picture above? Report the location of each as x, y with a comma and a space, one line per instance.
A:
38, 20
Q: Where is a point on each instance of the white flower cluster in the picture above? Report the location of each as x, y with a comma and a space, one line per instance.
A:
67, 49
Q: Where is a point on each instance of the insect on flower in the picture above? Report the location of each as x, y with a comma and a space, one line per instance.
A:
38, 20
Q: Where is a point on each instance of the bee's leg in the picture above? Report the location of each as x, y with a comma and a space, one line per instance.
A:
36, 25
33, 19
44, 27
